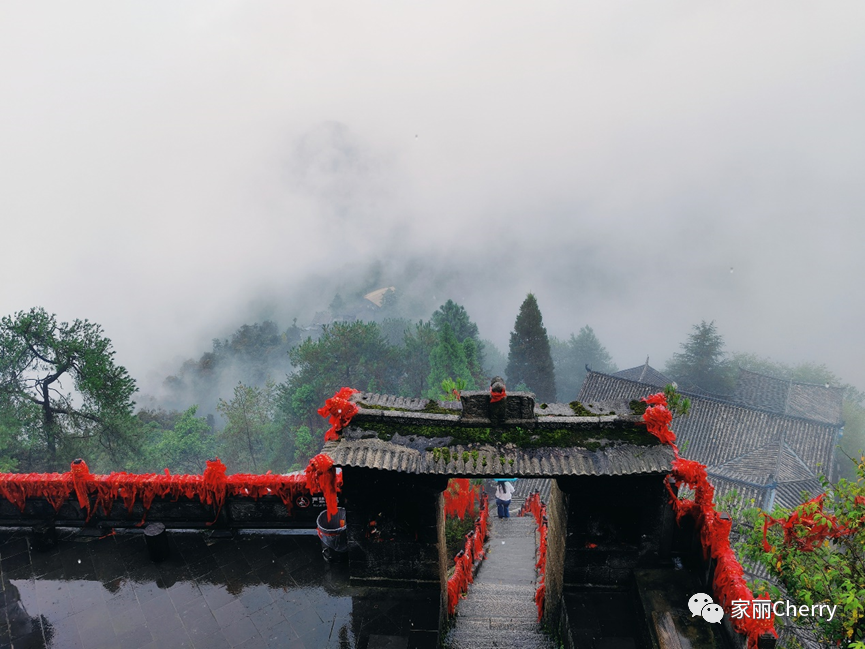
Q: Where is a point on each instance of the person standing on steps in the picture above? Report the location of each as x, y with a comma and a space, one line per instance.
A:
504, 489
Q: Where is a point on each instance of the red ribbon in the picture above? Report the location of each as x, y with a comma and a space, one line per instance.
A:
495, 397
729, 582
339, 410
460, 498
211, 488
321, 478
465, 559
534, 506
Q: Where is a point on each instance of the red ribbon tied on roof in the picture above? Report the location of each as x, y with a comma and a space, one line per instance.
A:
339, 410
658, 419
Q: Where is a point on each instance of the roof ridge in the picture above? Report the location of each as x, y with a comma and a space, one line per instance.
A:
791, 451
744, 455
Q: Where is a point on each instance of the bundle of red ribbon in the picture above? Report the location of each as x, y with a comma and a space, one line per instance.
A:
807, 527
465, 559
534, 506
729, 583
460, 498
94, 492
339, 410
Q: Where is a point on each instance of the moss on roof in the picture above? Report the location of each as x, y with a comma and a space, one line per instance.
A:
538, 437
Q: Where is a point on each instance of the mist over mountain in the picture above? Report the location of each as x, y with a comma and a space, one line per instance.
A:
177, 172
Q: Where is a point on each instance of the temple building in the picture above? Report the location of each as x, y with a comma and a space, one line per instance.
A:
236, 566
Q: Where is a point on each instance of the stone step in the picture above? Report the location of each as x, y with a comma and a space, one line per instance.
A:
497, 639
486, 588
473, 608
499, 609
505, 623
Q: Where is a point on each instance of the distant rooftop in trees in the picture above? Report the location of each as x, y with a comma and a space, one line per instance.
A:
645, 373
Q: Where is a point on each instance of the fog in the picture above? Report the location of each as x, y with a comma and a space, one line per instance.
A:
174, 170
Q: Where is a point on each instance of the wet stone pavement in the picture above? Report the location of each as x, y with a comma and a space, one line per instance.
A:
254, 590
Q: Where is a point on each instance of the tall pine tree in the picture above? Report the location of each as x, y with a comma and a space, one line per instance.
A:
447, 361
529, 359
701, 364
571, 357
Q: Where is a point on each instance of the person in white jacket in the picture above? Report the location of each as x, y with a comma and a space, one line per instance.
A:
504, 489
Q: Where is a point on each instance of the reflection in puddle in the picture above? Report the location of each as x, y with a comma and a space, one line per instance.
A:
262, 590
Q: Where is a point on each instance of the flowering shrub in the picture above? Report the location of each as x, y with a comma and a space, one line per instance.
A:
816, 552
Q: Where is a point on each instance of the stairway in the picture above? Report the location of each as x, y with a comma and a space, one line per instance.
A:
499, 609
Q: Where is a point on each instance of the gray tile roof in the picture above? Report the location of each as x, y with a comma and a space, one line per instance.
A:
774, 462
816, 402
409, 451
645, 374
490, 461
741, 446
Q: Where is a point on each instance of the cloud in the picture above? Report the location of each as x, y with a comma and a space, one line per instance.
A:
174, 171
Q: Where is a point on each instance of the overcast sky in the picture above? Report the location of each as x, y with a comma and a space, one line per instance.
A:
171, 170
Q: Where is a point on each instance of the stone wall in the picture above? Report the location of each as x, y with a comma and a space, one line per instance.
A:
395, 528
267, 512
557, 523
614, 524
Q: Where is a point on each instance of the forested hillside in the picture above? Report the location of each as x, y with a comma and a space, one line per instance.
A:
252, 399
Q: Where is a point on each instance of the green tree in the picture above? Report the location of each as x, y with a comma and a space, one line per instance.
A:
248, 436
570, 358
529, 359
447, 361
464, 329
472, 350
495, 362
307, 445
823, 571
185, 447
347, 354
60, 383
457, 317
11, 432
416, 350
701, 364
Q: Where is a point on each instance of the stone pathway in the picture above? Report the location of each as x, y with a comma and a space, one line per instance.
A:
499, 610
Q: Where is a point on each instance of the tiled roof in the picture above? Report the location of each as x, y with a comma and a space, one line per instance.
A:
645, 374
774, 462
402, 403
407, 450
739, 444
489, 461
816, 402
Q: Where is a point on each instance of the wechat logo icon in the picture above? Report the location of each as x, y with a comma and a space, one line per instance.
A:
701, 604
